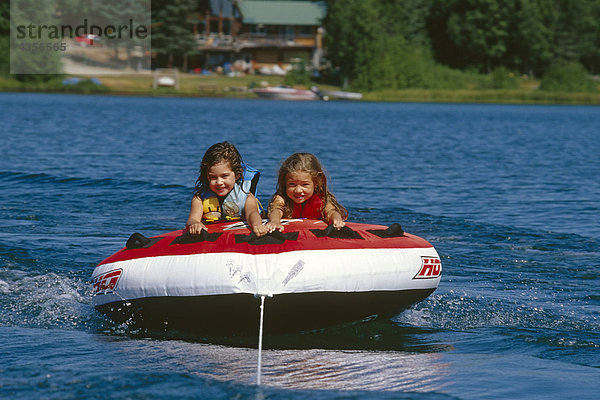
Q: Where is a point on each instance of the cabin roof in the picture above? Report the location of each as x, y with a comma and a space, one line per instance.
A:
275, 12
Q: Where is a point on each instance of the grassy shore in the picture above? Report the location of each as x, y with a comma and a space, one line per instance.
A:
191, 85
516, 96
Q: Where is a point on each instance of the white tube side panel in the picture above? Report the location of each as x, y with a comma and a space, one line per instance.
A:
340, 270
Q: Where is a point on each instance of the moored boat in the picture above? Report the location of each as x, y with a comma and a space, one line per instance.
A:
286, 93
342, 95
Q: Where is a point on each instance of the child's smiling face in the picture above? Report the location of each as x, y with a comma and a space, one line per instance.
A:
221, 179
299, 186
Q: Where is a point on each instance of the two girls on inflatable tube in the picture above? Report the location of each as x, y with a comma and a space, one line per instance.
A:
226, 188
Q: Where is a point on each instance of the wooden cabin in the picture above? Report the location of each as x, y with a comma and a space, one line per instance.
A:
251, 35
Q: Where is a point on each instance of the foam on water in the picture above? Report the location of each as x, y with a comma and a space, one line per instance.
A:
44, 301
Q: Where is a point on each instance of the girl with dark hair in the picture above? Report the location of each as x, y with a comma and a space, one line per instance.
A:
221, 193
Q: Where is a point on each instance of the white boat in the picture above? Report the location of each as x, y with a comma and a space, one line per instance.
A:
166, 81
340, 94
286, 93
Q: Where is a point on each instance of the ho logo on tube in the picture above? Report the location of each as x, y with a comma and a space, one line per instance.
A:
431, 267
106, 283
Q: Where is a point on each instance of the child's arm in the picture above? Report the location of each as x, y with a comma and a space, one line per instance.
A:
194, 223
253, 216
334, 217
275, 214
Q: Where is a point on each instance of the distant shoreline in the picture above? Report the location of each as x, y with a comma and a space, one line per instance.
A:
219, 86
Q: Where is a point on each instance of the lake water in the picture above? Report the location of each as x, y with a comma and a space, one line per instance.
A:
508, 195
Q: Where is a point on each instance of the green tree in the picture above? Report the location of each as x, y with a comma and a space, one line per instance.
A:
530, 48
26, 58
364, 41
591, 53
577, 32
4, 18
481, 29
470, 33
525, 35
566, 43
408, 18
4, 38
352, 35
172, 30
444, 49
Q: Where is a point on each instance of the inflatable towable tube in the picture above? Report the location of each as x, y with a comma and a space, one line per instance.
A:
313, 276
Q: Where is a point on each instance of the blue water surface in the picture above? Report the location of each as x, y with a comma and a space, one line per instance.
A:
508, 194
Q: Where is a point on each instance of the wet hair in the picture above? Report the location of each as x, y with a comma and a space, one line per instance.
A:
309, 163
224, 152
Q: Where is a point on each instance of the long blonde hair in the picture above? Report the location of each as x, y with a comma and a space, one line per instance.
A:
309, 163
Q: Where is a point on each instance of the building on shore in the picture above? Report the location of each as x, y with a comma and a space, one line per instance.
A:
251, 35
